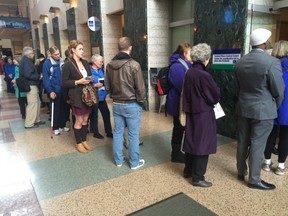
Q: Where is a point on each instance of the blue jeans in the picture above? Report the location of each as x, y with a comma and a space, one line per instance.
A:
126, 114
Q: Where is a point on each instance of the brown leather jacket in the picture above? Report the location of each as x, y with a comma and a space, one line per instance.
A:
124, 79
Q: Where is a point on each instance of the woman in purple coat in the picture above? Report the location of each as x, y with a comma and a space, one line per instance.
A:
200, 94
180, 61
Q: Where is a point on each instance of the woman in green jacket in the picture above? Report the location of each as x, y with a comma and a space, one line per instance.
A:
22, 100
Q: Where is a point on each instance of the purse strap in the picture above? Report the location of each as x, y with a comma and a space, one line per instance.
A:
76, 68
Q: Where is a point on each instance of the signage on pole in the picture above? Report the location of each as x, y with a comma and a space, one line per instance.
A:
94, 23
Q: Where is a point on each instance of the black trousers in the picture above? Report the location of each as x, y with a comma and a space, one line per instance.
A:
103, 107
176, 140
22, 101
196, 165
282, 145
61, 110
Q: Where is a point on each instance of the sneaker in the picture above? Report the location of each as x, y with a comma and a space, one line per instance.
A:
280, 171
66, 129
267, 167
120, 165
57, 132
140, 164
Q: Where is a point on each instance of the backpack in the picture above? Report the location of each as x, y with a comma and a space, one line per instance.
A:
163, 85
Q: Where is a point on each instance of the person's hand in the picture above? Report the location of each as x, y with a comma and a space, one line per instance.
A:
83, 81
52, 95
41, 77
98, 85
10, 75
13, 81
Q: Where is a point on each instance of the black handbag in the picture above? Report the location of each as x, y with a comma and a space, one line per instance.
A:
23, 84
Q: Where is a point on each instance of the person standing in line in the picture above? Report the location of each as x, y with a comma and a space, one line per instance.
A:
52, 80
39, 65
280, 51
200, 94
9, 69
21, 96
176, 78
28, 70
75, 75
98, 74
124, 80
261, 89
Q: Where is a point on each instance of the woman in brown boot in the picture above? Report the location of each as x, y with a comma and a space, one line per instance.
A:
75, 75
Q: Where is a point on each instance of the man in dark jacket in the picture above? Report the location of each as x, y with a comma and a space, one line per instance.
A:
29, 71
124, 80
261, 89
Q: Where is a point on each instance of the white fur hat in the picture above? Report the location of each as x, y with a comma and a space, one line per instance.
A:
259, 36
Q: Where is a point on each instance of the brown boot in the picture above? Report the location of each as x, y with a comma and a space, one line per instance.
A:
81, 148
87, 146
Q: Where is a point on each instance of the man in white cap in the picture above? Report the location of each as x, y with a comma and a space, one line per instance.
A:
261, 90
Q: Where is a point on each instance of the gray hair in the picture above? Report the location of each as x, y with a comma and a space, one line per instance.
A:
95, 57
200, 52
27, 51
18, 58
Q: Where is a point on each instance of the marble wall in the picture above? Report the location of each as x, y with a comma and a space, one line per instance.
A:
135, 19
222, 24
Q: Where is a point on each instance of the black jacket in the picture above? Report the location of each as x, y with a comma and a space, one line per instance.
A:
28, 70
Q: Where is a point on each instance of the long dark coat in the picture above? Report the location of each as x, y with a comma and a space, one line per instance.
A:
200, 94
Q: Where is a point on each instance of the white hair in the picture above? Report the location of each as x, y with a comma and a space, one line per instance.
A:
95, 57
27, 51
200, 52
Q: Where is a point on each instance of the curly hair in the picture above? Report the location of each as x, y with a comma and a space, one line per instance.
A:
200, 52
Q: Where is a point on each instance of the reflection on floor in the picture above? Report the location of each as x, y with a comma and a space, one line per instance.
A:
69, 183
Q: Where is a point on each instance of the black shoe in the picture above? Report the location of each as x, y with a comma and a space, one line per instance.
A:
34, 126
262, 185
141, 143
187, 175
241, 177
202, 184
178, 160
40, 123
98, 136
110, 135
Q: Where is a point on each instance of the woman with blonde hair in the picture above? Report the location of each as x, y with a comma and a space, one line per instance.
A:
280, 51
75, 75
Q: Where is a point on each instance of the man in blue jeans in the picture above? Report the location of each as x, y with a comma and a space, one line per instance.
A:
124, 80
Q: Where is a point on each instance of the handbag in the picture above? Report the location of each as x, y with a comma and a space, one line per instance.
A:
23, 84
89, 95
182, 114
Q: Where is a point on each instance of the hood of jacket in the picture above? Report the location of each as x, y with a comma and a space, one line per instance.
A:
119, 60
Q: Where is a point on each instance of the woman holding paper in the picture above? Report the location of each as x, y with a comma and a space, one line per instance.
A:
200, 94
98, 74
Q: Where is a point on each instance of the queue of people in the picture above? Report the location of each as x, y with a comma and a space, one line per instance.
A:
261, 108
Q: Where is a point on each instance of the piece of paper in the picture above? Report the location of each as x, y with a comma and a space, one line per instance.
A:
219, 112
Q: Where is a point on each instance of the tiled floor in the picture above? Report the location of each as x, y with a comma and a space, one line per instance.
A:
69, 183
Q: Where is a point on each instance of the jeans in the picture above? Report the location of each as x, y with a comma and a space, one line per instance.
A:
126, 114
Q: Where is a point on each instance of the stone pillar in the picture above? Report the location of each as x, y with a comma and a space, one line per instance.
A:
222, 25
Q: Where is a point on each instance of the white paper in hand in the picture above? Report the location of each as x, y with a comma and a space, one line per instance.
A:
219, 112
